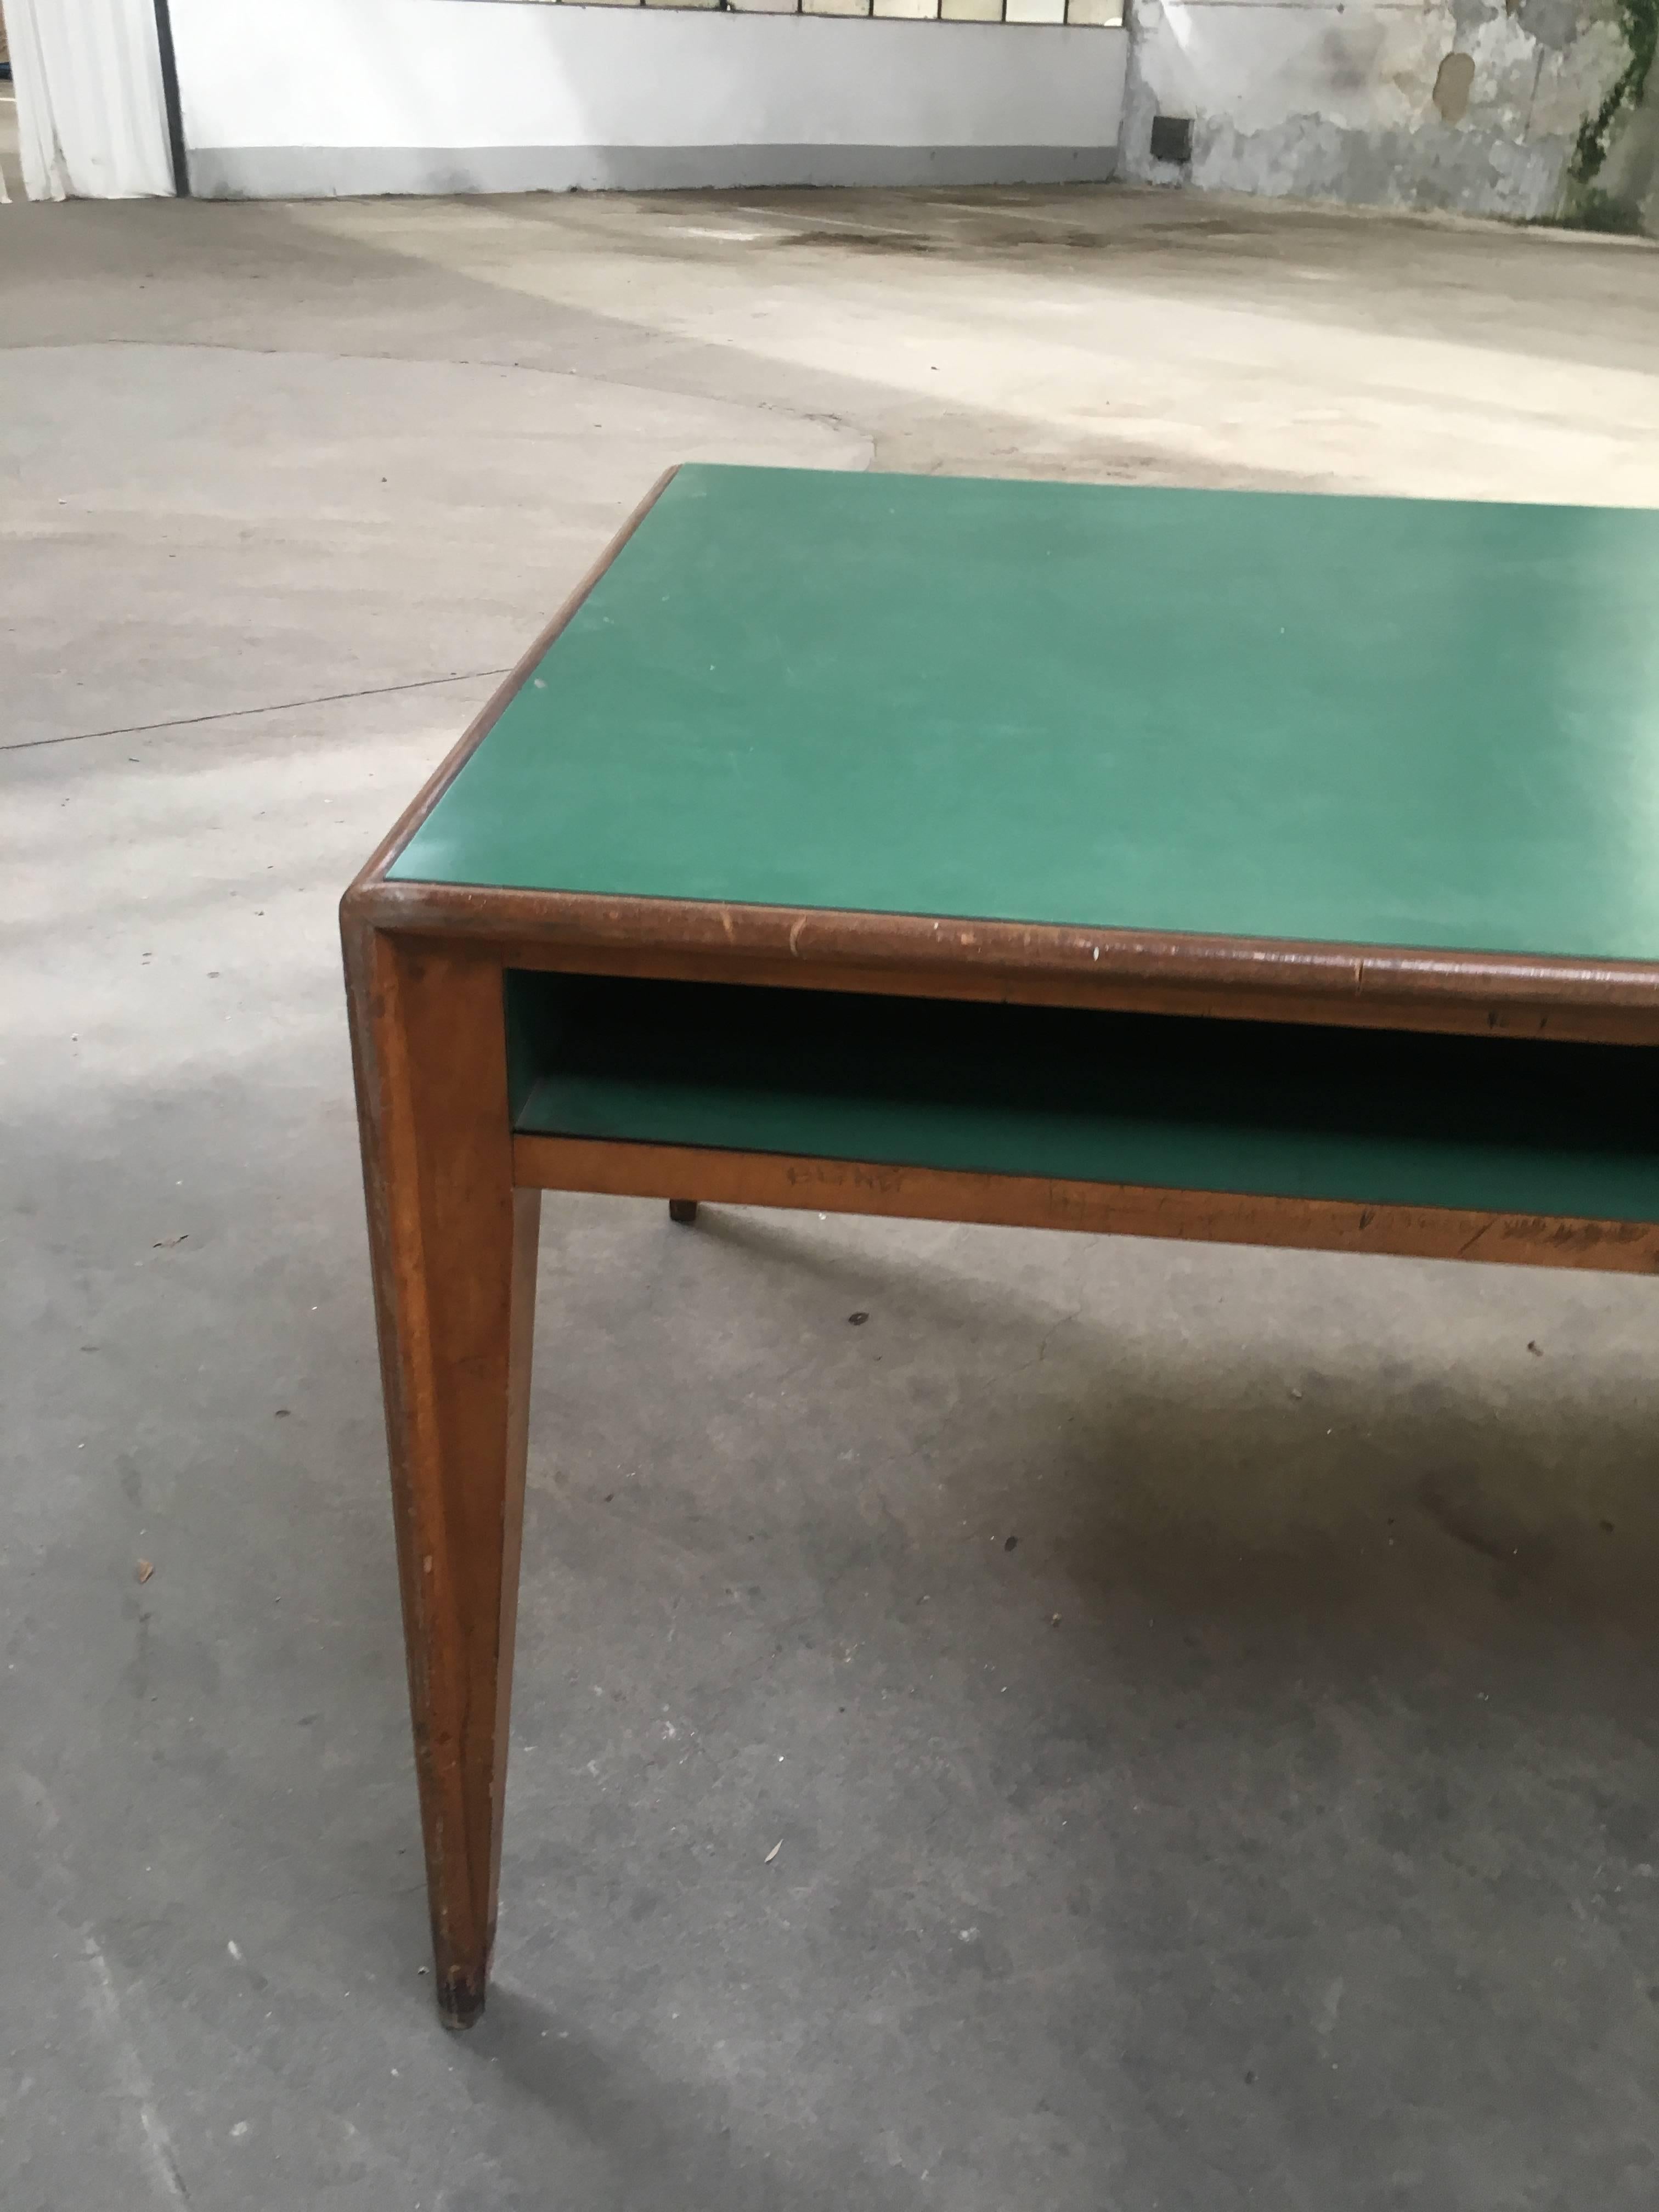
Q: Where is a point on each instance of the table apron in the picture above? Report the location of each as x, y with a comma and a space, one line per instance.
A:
634, 1170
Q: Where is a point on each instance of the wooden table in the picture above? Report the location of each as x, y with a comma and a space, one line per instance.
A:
1260, 868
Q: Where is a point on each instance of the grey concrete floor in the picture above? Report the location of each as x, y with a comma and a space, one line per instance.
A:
1206, 1699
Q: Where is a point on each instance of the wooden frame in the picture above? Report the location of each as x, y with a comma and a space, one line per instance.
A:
453, 1195
1115, 1209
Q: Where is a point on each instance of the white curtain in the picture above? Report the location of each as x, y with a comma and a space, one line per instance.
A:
91, 114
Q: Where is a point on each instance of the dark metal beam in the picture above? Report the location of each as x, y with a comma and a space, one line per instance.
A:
170, 94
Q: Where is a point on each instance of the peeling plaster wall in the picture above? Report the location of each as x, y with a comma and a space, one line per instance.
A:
1464, 104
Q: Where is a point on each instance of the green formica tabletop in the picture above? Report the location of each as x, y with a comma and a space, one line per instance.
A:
1401, 722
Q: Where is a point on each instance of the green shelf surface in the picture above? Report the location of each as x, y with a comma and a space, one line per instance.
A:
1489, 1124
1357, 721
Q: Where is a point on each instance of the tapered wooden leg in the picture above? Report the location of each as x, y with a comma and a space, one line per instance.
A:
683, 1210
454, 1257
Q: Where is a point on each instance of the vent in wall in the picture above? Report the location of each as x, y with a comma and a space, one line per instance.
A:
1172, 138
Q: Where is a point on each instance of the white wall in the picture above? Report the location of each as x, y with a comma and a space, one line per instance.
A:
319, 97
91, 119
1337, 99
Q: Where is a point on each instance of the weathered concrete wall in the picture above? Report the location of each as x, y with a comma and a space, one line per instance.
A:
1472, 105
1629, 178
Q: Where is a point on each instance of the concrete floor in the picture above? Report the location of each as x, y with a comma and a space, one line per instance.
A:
1273, 1825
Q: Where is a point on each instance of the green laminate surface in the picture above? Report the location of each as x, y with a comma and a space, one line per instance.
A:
1485, 1123
1380, 721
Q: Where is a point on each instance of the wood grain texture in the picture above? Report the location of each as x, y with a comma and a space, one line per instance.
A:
453, 1247
640, 1171
1352, 986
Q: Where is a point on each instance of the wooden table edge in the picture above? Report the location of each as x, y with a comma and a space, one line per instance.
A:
1262, 979
374, 869
1266, 979
612, 1168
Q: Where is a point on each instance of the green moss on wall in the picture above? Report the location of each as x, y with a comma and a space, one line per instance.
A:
1640, 21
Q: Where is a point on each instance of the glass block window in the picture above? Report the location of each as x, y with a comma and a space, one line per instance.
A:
1107, 14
